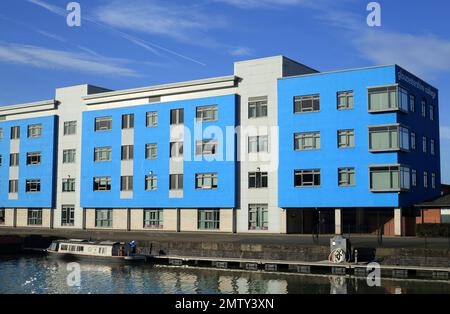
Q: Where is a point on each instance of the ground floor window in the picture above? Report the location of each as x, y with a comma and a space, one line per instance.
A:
35, 216
209, 219
258, 217
153, 218
2, 216
67, 215
103, 218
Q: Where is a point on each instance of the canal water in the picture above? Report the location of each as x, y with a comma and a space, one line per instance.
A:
40, 275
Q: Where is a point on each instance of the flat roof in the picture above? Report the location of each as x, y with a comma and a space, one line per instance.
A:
442, 201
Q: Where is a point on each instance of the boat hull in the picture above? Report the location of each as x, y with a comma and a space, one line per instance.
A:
102, 259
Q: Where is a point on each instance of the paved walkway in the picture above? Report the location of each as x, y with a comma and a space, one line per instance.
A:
367, 241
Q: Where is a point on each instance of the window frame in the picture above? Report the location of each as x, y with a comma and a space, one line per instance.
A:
299, 103
70, 126
67, 215
301, 138
261, 219
307, 172
32, 185
153, 218
208, 219
102, 182
347, 95
201, 113
107, 120
104, 218
203, 178
32, 128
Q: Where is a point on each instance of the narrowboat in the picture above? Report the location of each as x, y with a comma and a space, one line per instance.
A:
93, 250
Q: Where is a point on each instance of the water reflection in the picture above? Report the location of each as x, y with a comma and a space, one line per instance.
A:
32, 274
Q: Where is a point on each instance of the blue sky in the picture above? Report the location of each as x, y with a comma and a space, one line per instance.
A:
135, 43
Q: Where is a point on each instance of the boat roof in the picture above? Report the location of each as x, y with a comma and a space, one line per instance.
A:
80, 241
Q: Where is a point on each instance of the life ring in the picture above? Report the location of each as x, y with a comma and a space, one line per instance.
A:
337, 256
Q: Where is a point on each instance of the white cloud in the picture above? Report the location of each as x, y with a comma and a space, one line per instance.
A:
445, 133
241, 52
61, 60
253, 4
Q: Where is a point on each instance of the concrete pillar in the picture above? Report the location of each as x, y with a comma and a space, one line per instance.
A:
128, 219
338, 221
398, 226
84, 219
178, 220
360, 221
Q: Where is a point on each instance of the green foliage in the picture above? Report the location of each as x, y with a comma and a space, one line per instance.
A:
433, 230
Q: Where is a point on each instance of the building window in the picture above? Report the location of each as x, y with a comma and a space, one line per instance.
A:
346, 138
103, 218
389, 178
102, 154
152, 119
126, 183
34, 158
1, 160
69, 156
176, 116
151, 151
14, 160
1, 134
153, 218
307, 141
413, 140
346, 176
35, 216
128, 121
15, 132
345, 100
102, 184
424, 107
70, 127
258, 217
424, 144
308, 103
207, 114
67, 215
433, 180
257, 107
208, 219
2, 216
176, 182
103, 124
392, 137
176, 150
33, 186
413, 177
34, 130
432, 147
258, 144
431, 112
385, 98
206, 181
68, 185
206, 147
412, 103
257, 180
127, 152
151, 182
13, 186
307, 178
425, 179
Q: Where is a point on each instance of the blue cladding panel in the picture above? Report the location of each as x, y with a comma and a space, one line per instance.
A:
224, 196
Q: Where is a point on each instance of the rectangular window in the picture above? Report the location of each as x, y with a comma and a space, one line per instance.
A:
307, 141
391, 137
152, 119
413, 177
346, 138
345, 100
102, 184
307, 178
67, 215
425, 179
346, 176
257, 107
151, 182
15, 132
69, 156
34, 216
176, 182
127, 152
176, 150
206, 181
176, 116
33, 186
14, 160
308, 103
102, 154
207, 114
431, 112
103, 124
206, 147
412, 103
2, 216
383, 98
413, 140
1, 160
70, 127
389, 178
424, 107
433, 180
128, 121
68, 185
257, 180
103, 218
34, 158
424, 144
153, 218
151, 151
403, 99
208, 219
34, 130
1, 134
432, 147
126, 183
258, 217
258, 144
13, 186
